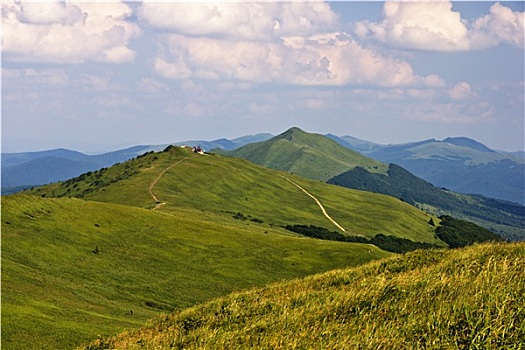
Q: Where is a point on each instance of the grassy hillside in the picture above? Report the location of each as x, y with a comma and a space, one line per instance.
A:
470, 298
504, 218
218, 188
73, 269
309, 155
298, 152
106, 261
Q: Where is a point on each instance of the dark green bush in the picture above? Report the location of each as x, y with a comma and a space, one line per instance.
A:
458, 233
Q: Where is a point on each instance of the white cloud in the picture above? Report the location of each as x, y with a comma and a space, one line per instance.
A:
67, 32
326, 59
448, 113
461, 91
434, 26
240, 20
270, 42
502, 25
152, 86
95, 81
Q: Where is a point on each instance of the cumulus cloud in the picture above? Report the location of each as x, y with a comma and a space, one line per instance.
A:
324, 59
285, 42
434, 26
240, 20
461, 91
502, 25
67, 32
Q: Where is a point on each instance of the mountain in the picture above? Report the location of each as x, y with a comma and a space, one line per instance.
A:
44, 170
433, 299
459, 164
10, 159
111, 248
228, 186
309, 155
317, 157
24, 170
226, 144
468, 143
504, 218
355, 144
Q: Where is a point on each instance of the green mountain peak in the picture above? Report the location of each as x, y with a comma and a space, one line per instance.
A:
313, 156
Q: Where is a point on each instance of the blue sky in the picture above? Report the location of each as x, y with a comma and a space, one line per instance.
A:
100, 76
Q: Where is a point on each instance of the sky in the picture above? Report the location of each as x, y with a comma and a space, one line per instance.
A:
99, 76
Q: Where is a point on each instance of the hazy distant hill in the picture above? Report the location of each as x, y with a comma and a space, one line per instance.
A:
356, 144
27, 169
226, 144
309, 155
457, 163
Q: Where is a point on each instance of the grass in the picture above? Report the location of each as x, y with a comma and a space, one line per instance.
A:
309, 155
471, 298
508, 218
73, 269
214, 186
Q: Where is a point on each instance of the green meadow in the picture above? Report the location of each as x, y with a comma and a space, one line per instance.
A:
74, 269
471, 298
216, 185
106, 251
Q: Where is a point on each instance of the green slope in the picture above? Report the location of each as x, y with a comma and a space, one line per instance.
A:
470, 298
73, 269
309, 155
504, 218
217, 188
316, 156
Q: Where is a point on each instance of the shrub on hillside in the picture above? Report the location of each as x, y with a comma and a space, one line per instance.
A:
458, 233
388, 243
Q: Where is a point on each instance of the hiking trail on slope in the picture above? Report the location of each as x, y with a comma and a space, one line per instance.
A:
318, 203
154, 182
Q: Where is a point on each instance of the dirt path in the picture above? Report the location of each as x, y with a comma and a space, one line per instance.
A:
154, 182
318, 203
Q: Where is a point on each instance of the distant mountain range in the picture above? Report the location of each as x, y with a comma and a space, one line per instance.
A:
27, 169
319, 157
457, 163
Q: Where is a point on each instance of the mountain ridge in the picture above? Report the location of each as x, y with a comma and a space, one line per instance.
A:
19, 169
310, 155
475, 169
296, 151
96, 253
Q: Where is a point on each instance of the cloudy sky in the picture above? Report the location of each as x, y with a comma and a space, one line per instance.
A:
97, 76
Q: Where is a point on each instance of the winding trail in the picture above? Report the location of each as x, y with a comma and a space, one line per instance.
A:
154, 182
318, 203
